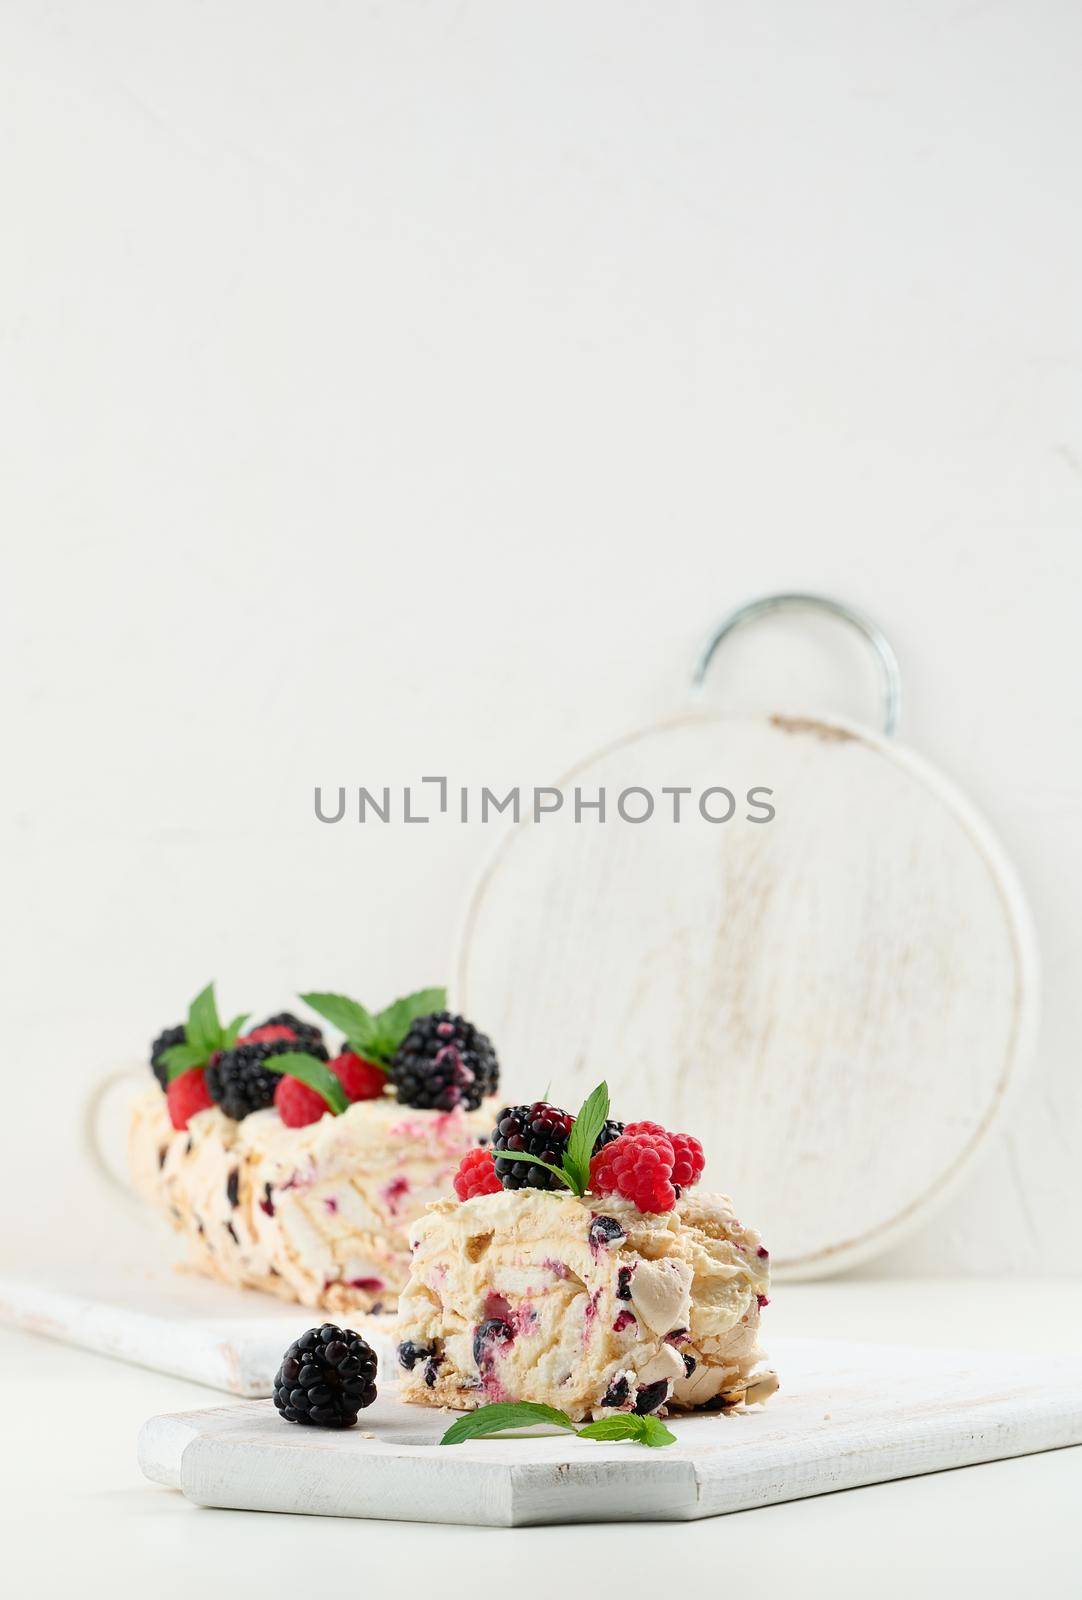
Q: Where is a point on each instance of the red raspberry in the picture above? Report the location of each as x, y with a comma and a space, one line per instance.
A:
267, 1035
690, 1160
688, 1151
361, 1079
601, 1179
297, 1104
638, 1166
476, 1175
186, 1095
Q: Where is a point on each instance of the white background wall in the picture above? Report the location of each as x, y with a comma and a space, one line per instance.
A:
406, 388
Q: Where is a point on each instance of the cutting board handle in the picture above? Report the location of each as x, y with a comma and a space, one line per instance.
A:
888, 661
118, 1187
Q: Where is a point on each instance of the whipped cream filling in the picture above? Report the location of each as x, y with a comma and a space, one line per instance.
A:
318, 1214
589, 1305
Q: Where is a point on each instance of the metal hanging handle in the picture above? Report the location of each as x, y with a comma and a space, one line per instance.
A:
884, 651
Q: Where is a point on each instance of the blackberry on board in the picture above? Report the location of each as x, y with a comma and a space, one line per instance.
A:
240, 1082
444, 1062
165, 1041
326, 1379
540, 1130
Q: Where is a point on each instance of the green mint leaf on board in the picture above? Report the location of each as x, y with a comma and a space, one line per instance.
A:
523, 1155
654, 1433
580, 1146
180, 1058
203, 1027
503, 1417
644, 1430
315, 1073
394, 1021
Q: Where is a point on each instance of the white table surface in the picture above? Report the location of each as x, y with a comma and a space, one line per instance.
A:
80, 1516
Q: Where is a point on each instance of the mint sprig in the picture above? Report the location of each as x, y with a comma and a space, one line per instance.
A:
509, 1416
376, 1036
203, 1035
574, 1172
315, 1073
580, 1146
650, 1431
505, 1416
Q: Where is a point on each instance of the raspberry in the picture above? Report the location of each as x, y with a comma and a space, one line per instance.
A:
688, 1167
295, 1029
361, 1079
186, 1095
476, 1175
267, 1034
638, 1166
297, 1104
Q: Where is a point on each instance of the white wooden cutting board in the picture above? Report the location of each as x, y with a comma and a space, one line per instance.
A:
170, 1320
847, 1415
839, 1002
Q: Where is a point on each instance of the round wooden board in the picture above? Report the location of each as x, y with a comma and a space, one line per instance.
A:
837, 1001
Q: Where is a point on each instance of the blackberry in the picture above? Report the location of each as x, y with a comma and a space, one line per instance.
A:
603, 1231
165, 1041
444, 1062
652, 1396
617, 1393
540, 1130
239, 1082
491, 1337
327, 1377
308, 1032
409, 1353
610, 1131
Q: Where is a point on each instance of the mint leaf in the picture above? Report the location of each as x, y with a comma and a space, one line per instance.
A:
203, 1027
625, 1426
654, 1433
315, 1073
181, 1058
394, 1021
348, 1016
229, 1034
644, 1430
522, 1155
580, 1146
502, 1417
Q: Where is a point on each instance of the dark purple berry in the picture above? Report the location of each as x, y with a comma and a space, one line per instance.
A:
442, 1063
487, 1336
654, 1395
165, 1041
326, 1379
540, 1130
603, 1231
617, 1392
240, 1082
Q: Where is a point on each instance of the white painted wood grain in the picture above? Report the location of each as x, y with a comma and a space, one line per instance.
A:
839, 1002
171, 1320
847, 1414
